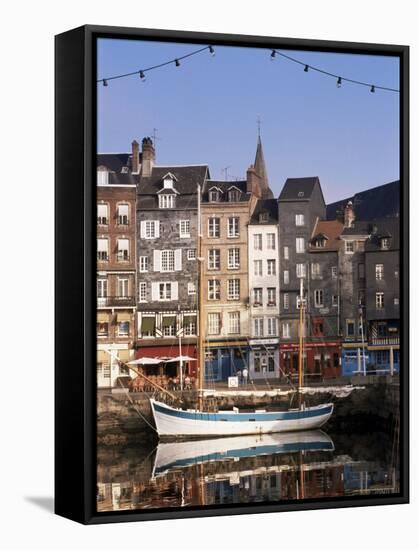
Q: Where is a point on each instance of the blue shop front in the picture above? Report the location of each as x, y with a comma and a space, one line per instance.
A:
225, 359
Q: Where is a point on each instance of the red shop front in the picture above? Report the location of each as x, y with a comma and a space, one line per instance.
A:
322, 360
170, 369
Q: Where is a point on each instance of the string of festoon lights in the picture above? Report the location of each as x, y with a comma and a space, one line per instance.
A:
141, 73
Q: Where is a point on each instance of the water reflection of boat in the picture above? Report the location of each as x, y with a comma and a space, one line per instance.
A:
176, 455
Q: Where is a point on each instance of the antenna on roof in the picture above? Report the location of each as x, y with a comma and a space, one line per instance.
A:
258, 122
154, 134
225, 172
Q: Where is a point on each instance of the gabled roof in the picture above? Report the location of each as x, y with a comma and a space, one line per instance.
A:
224, 186
388, 228
114, 161
187, 179
269, 206
373, 204
298, 189
331, 231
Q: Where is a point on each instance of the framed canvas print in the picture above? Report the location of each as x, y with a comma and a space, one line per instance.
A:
231, 274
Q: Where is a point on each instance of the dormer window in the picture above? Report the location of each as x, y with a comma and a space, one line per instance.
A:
385, 243
320, 241
263, 217
166, 201
300, 194
124, 170
102, 176
234, 195
168, 183
214, 195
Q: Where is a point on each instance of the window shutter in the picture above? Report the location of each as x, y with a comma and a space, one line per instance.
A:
157, 229
178, 259
155, 292
174, 291
142, 230
156, 260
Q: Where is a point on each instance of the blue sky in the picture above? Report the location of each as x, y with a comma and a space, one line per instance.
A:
205, 112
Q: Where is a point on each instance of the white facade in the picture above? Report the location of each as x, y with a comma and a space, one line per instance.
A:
263, 251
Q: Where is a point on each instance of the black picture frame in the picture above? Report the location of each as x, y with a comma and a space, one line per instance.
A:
75, 271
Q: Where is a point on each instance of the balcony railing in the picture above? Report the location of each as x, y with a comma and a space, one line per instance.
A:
117, 301
386, 341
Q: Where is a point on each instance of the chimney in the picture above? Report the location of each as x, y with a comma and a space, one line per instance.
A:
148, 157
135, 165
253, 182
349, 215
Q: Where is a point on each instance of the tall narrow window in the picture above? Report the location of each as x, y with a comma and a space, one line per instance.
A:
214, 258
257, 296
184, 229
233, 227
349, 247
234, 322
286, 300
257, 241
214, 323
123, 250
123, 210
102, 250
102, 290
142, 292
233, 289
213, 289
102, 214
234, 258
334, 272
258, 326
285, 330
167, 260
318, 298
299, 220
166, 201
191, 289
315, 270
300, 270
379, 300
143, 264
270, 241
300, 245
271, 326
286, 252
379, 272
123, 287
271, 264
271, 296
258, 270
213, 227
286, 277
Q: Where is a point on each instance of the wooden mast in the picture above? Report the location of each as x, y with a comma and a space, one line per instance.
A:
300, 347
201, 359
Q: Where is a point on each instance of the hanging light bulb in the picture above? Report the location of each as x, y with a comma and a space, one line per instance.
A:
372, 89
306, 69
211, 50
339, 82
273, 54
105, 82
177, 62
142, 75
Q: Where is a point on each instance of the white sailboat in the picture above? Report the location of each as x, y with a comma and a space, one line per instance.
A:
174, 422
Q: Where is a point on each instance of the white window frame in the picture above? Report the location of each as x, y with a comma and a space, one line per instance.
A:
123, 218
143, 264
191, 289
214, 324
142, 292
318, 297
272, 326
213, 255
214, 290
233, 289
286, 300
191, 254
233, 227
300, 271
286, 252
271, 266
300, 245
123, 284
379, 272
286, 330
271, 292
214, 228
167, 261
234, 258
334, 270
102, 219
257, 241
379, 300
184, 229
299, 220
101, 287
349, 247
286, 277
167, 201
258, 268
257, 296
165, 292
258, 327
234, 322
271, 241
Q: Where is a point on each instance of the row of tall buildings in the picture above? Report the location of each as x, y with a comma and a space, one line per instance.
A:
255, 250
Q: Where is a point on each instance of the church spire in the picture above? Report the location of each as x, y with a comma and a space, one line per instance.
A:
260, 169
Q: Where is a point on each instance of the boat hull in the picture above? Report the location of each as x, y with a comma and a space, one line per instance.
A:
177, 423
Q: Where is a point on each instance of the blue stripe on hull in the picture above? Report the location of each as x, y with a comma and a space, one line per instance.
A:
244, 417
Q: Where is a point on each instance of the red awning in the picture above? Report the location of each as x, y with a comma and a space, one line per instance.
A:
165, 351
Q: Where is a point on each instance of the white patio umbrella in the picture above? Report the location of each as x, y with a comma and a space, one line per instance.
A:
179, 358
